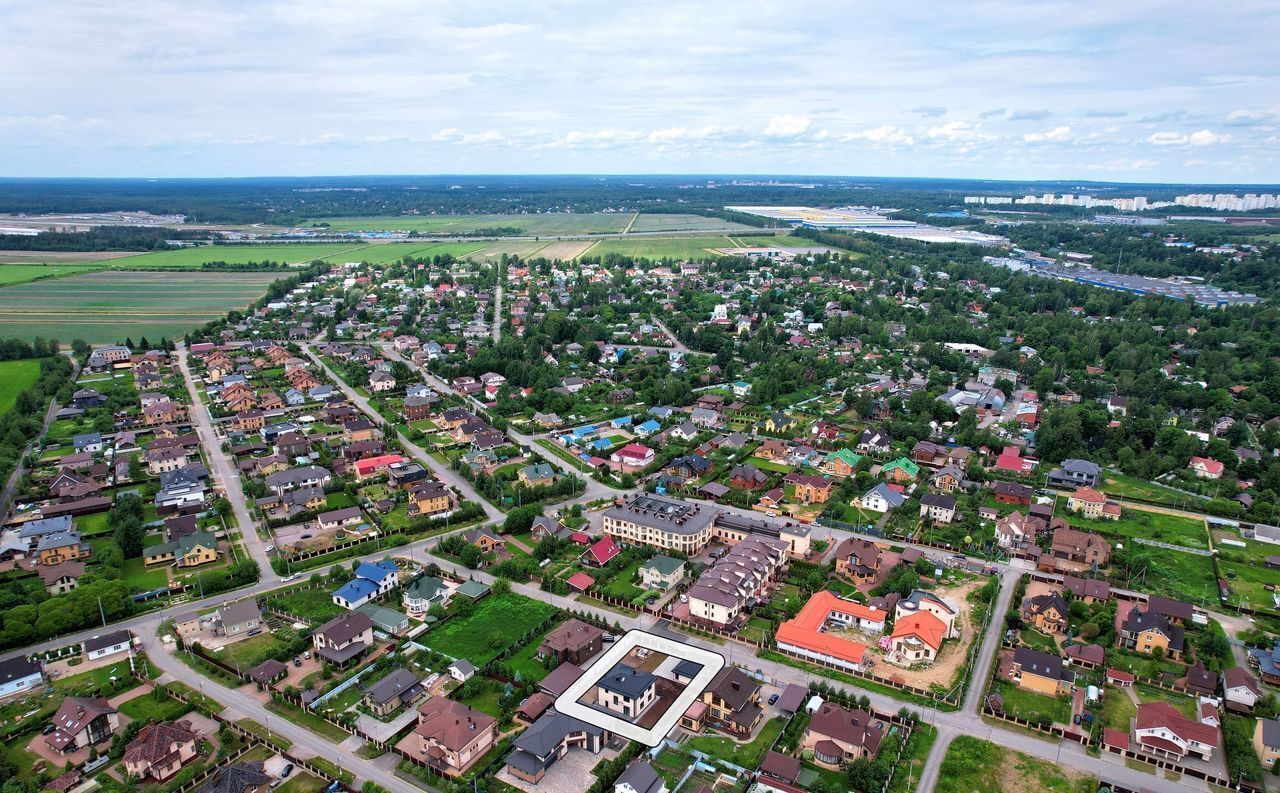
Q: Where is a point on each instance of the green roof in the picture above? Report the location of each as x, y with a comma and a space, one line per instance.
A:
383, 617
847, 455
904, 464
473, 589
665, 565
427, 588
183, 545
539, 471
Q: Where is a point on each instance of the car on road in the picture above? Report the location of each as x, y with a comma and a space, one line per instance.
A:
297, 660
773, 699
269, 548
289, 577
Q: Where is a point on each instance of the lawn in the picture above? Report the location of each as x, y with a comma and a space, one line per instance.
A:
1117, 710
302, 782
497, 622
622, 586
1249, 583
248, 653
486, 699
1173, 529
1171, 574
310, 721
1129, 487
1032, 706
313, 605
976, 766
139, 577
1038, 641
16, 377
1180, 702
526, 661
148, 708
769, 465
745, 755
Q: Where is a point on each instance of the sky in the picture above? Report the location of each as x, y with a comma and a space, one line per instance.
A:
1109, 91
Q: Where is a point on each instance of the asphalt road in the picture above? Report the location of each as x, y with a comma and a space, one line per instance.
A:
442, 472
225, 473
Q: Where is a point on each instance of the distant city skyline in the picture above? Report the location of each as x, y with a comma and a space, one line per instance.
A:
1132, 92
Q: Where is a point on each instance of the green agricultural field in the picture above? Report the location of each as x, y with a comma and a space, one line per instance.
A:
658, 222
16, 377
662, 247
549, 224
389, 252
239, 254
11, 274
107, 306
495, 624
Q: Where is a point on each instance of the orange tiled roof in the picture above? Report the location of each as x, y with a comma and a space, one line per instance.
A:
803, 631
924, 625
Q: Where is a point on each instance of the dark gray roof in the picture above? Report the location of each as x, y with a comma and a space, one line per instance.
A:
235, 778
397, 684
16, 668
628, 682
641, 777
687, 668
541, 739
1271, 732
111, 639
1040, 663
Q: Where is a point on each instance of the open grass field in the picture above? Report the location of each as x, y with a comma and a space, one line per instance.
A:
566, 250
685, 223
495, 624
11, 274
662, 247
16, 377
60, 257
236, 254
106, 306
551, 223
385, 253
976, 766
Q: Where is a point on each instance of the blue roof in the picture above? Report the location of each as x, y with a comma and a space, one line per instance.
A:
356, 589
601, 443
649, 426
621, 421
580, 432
376, 571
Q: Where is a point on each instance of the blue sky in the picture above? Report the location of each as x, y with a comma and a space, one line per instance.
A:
1130, 91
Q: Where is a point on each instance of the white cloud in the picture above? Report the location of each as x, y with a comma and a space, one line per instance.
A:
1203, 137
886, 133
1206, 138
1059, 133
956, 131
787, 126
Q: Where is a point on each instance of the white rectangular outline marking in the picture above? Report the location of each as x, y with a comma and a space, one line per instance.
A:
568, 703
